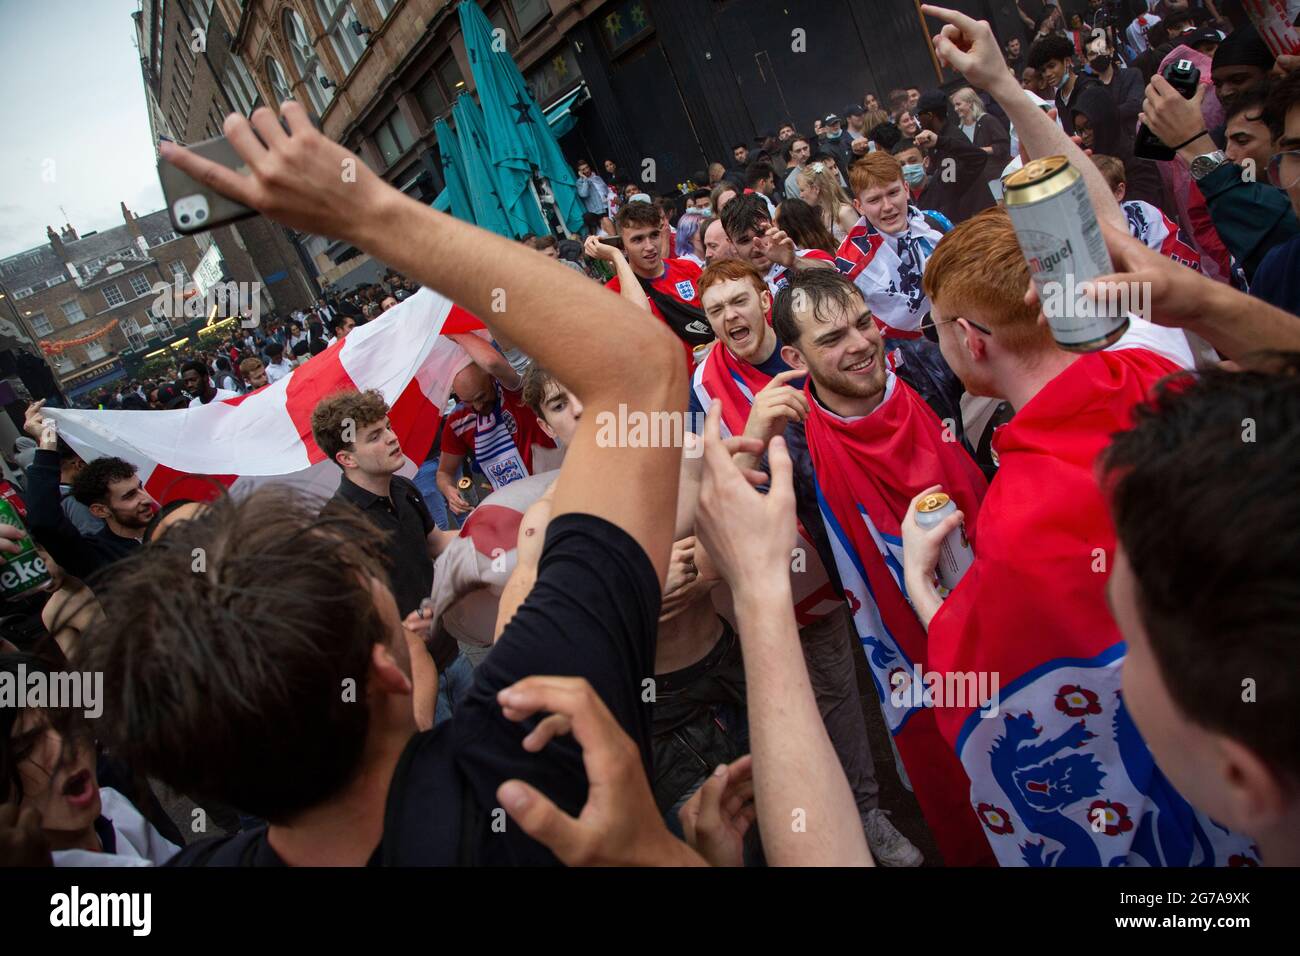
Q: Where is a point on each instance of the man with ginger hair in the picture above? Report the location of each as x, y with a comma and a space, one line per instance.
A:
885, 253
1044, 536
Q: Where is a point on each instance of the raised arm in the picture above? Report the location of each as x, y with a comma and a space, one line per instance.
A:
568, 324
488, 359
968, 46
628, 285
806, 812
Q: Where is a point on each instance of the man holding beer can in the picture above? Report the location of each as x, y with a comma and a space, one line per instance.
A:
1032, 607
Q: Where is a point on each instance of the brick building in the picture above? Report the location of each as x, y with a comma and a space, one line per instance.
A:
101, 285
675, 81
192, 79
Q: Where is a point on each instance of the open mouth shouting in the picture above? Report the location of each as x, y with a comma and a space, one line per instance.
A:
80, 789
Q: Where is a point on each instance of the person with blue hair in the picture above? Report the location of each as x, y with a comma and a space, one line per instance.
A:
690, 238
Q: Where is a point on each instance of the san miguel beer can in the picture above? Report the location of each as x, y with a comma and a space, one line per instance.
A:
1064, 247
955, 554
25, 571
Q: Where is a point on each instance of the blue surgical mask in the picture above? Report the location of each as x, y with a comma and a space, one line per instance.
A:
835, 135
914, 173
1065, 78
704, 210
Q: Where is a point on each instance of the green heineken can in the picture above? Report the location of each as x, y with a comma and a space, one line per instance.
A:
25, 571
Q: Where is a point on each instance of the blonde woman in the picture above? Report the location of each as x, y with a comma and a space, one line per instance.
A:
985, 131
819, 187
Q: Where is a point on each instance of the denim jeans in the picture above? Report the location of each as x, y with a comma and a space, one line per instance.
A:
453, 685
426, 480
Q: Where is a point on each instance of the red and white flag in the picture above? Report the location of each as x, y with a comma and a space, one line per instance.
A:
265, 435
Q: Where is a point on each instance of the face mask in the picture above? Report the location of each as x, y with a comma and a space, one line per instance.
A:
835, 135
1065, 78
1099, 63
914, 173
704, 210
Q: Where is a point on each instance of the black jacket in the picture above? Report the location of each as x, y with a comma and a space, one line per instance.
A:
1112, 138
957, 187
80, 555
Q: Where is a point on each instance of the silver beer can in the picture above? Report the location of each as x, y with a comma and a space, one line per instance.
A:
1063, 245
955, 555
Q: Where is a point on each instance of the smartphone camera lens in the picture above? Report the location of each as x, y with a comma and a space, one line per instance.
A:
200, 215
185, 218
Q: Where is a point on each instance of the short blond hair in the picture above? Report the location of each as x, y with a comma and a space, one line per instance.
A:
1111, 169
979, 263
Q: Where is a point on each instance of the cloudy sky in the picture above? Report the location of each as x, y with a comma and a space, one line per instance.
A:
72, 108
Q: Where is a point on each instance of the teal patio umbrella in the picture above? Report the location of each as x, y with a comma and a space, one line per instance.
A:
454, 198
481, 183
518, 135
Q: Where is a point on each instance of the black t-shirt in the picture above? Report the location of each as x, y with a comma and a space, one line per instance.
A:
592, 613
404, 518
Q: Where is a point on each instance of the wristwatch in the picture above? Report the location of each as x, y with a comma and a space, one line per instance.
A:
1207, 163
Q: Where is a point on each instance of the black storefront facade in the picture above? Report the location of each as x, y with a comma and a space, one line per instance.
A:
679, 82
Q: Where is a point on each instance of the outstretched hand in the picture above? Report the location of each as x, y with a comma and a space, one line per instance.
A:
301, 177
747, 534
969, 47
620, 824
719, 814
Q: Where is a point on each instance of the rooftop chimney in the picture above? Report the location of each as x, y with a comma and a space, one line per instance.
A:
69, 234
131, 224
56, 243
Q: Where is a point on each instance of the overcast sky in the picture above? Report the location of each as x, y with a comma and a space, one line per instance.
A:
71, 101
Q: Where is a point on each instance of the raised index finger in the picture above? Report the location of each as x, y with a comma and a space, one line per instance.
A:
957, 18
782, 378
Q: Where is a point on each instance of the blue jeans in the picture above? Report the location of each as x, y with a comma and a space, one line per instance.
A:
426, 480
453, 684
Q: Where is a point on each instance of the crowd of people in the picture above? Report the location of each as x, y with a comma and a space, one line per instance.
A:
257, 351
845, 320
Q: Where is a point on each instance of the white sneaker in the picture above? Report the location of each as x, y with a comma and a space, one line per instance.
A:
888, 846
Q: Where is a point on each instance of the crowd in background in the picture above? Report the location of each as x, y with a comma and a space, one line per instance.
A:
844, 309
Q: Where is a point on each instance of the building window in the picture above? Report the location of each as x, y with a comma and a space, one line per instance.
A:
306, 61
393, 137
279, 82
139, 285
202, 13
385, 7
95, 351
22, 293
555, 74
73, 313
432, 100
529, 13
500, 21
624, 25
50, 283
131, 329
449, 72
41, 325
113, 295
165, 237
178, 268
338, 18
240, 86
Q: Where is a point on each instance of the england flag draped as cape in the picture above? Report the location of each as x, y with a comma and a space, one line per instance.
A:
1059, 775
241, 442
